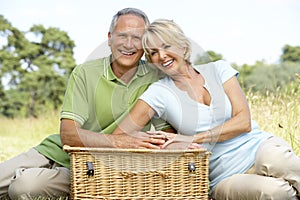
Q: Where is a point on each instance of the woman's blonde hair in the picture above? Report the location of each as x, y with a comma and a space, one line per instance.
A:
169, 33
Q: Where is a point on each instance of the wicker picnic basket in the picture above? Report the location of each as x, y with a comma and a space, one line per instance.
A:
119, 174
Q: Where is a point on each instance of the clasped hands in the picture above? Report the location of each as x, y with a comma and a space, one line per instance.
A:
155, 140
175, 141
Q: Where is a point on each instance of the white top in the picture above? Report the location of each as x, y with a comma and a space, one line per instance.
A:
189, 117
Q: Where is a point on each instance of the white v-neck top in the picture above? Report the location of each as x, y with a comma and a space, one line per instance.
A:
189, 117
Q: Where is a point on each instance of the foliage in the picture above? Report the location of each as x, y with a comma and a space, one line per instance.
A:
209, 56
270, 77
290, 53
35, 66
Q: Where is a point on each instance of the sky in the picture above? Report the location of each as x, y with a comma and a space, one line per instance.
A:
242, 31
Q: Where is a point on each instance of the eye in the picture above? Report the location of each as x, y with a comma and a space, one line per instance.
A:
167, 46
152, 53
137, 38
122, 35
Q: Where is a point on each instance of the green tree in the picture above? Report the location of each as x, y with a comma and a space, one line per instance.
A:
209, 56
35, 69
290, 53
2, 97
244, 71
271, 77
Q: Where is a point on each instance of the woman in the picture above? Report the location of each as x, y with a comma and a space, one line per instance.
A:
207, 106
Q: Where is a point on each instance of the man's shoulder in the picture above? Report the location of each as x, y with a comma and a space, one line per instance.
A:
93, 63
93, 66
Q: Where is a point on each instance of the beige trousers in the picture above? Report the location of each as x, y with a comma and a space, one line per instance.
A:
274, 176
31, 174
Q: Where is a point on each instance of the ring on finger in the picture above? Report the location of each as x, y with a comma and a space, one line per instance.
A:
166, 137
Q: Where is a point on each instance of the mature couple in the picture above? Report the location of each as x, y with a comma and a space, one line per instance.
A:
203, 104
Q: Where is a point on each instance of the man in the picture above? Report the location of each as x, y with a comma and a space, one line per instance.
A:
99, 94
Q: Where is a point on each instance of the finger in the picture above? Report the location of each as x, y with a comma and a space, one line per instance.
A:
195, 146
157, 141
151, 146
156, 132
162, 137
167, 143
151, 132
159, 135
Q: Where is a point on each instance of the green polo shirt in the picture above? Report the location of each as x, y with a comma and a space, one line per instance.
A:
98, 100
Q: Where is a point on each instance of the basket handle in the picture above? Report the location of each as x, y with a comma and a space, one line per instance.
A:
154, 173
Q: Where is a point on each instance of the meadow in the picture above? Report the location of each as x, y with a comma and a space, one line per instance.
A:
19, 134
276, 113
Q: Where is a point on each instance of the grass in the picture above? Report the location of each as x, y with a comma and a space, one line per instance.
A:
275, 113
278, 114
18, 135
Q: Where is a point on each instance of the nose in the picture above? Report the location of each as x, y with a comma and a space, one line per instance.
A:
162, 54
128, 43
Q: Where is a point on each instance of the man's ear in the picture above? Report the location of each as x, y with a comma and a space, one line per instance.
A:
109, 38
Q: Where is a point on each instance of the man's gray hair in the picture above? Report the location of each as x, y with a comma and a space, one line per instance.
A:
127, 11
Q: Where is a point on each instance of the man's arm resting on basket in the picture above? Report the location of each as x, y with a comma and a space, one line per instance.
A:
72, 134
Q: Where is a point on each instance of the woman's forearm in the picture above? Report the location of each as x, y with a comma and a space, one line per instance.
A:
232, 128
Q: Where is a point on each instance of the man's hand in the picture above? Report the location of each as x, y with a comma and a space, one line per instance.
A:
137, 140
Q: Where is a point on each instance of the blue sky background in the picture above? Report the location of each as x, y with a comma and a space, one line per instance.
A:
243, 31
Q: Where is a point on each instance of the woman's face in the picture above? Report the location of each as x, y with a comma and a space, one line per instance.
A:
167, 57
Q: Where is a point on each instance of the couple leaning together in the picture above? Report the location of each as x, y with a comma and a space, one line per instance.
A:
112, 102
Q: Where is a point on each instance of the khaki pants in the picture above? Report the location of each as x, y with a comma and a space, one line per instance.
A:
275, 175
31, 174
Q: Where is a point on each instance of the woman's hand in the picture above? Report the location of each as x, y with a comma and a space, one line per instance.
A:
162, 135
175, 141
183, 146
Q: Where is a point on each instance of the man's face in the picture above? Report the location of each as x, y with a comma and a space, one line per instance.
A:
126, 41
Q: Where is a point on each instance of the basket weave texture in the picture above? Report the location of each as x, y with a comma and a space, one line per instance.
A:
119, 174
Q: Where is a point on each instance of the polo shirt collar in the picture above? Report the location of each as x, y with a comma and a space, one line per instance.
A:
109, 74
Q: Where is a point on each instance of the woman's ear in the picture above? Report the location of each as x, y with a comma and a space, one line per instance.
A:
184, 50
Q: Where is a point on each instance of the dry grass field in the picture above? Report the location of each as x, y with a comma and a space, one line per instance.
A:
18, 135
279, 114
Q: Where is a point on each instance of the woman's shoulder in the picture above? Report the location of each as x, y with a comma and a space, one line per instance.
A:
222, 64
162, 84
165, 80
219, 65
215, 64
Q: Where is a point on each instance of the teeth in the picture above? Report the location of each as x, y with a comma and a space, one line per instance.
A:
127, 53
167, 63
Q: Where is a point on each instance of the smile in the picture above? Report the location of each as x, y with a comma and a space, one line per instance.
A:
166, 64
127, 53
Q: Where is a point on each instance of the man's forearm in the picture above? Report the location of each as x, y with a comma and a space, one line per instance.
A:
85, 138
73, 135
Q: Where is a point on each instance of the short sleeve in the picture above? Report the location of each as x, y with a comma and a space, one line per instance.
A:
225, 70
75, 102
154, 98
